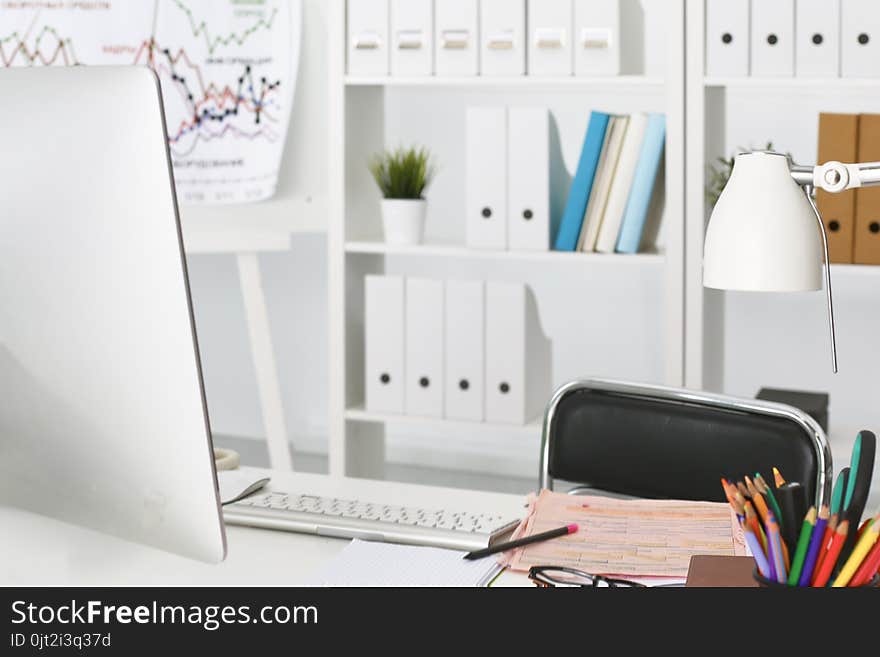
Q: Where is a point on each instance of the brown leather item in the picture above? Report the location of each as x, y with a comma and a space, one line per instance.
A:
708, 570
838, 140
867, 226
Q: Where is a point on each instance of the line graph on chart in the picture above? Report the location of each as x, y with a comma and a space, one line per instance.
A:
227, 69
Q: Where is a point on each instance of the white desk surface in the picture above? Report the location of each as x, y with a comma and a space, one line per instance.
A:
39, 551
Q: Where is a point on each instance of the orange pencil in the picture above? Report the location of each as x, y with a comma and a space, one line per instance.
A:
752, 520
777, 477
826, 541
869, 567
727, 492
824, 574
741, 487
757, 500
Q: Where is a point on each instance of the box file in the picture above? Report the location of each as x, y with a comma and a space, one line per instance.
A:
465, 353
368, 37
456, 37
502, 37
859, 39
596, 37
537, 179
486, 186
412, 37
838, 140
727, 38
550, 43
817, 34
773, 38
518, 355
423, 361
867, 226
384, 343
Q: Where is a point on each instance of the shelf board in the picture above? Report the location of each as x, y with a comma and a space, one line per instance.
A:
359, 414
458, 251
854, 270
570, 82
823, 84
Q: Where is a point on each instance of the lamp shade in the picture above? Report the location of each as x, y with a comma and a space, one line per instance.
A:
763, 235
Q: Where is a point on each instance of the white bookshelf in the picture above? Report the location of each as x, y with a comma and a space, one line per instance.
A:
737, 342
367, 114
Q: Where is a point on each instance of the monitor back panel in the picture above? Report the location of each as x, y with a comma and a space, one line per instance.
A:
103, 420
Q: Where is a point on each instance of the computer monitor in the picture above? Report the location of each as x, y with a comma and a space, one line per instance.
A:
103, 420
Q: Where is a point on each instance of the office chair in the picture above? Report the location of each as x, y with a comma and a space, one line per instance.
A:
657, 442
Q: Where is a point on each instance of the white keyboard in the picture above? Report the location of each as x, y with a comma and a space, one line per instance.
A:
330, 516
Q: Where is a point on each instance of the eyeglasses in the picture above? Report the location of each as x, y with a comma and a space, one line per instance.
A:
547, 576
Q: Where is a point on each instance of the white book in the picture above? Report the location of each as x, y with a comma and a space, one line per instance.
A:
602, 184
620, 186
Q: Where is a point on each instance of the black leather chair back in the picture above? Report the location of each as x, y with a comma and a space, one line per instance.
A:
649, 441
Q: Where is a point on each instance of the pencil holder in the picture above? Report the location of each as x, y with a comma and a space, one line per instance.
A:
770, 584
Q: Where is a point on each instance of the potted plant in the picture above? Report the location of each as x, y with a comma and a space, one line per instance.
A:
402, 176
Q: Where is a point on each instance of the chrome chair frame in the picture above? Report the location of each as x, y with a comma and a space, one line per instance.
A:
690, 397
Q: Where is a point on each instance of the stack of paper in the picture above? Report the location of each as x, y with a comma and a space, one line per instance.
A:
627, 537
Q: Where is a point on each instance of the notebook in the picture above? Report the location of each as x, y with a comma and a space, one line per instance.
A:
366, 563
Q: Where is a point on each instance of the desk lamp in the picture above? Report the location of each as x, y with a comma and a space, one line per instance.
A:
765, 233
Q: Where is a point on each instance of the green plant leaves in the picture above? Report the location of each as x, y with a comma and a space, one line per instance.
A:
403, 173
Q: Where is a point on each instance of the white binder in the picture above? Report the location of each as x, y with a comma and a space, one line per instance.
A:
727, 38
368, 37
502, 37
384, 343
549, 46
486, 171
817, 34
518, 355
859, 39
773, 38
465, 355
537, 179
424, 347
456, 37
596, 37
412, 37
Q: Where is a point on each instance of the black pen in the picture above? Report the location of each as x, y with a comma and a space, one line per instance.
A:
503, 547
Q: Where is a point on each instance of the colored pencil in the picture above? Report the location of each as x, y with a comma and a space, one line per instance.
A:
824, 574
757, 500
757, 552
752, 521
775, 549
815, 545
527, 540
860, 551
768, 492
853, 471
830, 528
869, 567
777, 477
803, 542
741, 487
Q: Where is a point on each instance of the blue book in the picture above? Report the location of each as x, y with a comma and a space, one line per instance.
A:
636, 213
579, 195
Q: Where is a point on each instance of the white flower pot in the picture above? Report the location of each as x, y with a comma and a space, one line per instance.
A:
403, 220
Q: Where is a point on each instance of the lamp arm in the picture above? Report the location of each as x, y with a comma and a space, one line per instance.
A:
808, 189
836, 177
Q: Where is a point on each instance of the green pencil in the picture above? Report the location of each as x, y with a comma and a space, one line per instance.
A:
768, 493
803, 543
853, 470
